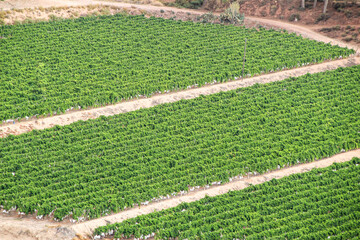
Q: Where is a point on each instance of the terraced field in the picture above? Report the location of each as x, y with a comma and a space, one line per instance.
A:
94, 167
320, 204
51, 67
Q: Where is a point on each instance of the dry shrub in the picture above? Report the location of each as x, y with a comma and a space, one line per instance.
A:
105, 11
232, 14
3, 14
294, 17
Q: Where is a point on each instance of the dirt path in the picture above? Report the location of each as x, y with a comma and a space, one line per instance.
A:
68, 118
13, 228
86, 228
64, 119
303, 31
28, 229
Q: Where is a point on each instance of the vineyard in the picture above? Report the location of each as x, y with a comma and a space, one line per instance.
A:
52, 67
104, 165
320, 204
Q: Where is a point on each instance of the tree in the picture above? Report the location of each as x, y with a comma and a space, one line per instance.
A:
325, 6
302, 4
315, 2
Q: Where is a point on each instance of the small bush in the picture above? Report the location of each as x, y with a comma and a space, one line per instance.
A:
273, 9
294, 16
348, 14
105, 11
322, 17
330, 29
2, 14
208, 17
232, 15
193, 4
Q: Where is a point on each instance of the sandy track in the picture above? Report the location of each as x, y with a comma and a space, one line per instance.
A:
27, 228
86, 228
64, 119
12, 228
303, 31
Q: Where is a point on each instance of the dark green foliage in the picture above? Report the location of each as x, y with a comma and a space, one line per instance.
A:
53, 66
321, 204
105, 164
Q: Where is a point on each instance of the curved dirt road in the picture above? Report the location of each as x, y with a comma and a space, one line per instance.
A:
68, 118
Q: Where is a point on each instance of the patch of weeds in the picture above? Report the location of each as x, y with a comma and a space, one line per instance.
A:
322, 17
294, 17
301, 9
348, 13
105, 11
208, 17
273, 9
53, 17
330, 29
3, 14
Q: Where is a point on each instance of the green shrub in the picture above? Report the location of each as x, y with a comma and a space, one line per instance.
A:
232, 15
294, 16
322, 17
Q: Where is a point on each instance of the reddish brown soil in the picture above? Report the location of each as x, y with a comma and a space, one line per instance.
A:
349, 33
283, 9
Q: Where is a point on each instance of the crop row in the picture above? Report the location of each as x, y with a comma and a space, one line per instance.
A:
94, 167
320, 204
51, 67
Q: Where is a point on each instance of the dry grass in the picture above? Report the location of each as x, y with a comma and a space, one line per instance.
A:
18, 16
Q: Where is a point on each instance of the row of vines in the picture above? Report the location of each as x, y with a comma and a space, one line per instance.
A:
52, 67
321, 204
91, 168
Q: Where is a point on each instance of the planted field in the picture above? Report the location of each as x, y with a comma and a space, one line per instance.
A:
94, 167
321, 204
50, 67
